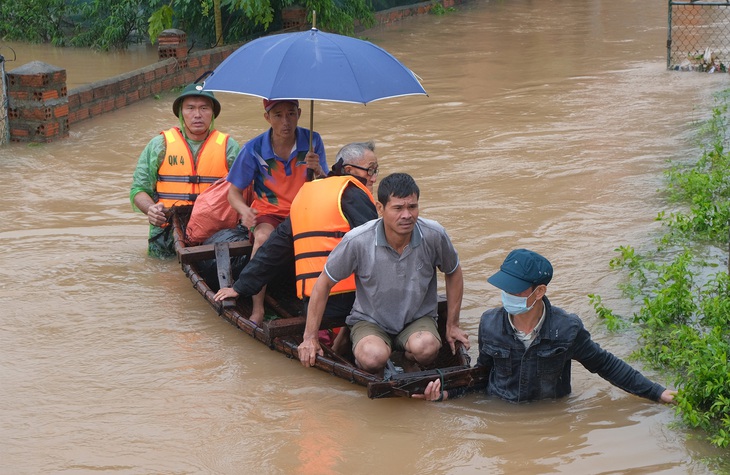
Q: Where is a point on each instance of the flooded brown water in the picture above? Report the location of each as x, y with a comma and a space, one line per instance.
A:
83, 66
548, 125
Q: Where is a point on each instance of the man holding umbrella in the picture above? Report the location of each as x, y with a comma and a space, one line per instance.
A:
276, 163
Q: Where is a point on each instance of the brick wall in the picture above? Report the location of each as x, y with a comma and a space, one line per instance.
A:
105, 96
40, 109
37, 103
395, 14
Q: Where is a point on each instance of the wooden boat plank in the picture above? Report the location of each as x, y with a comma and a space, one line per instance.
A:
189, 255
223, 265
413, 383
284, 334
346, 371
285, 326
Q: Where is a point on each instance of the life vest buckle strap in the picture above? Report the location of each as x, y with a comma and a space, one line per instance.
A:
177, 196
309, 275
194, 179
310, 255
329, 234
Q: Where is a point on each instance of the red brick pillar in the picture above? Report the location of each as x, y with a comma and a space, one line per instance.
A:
37, 103
173, 44
294, 17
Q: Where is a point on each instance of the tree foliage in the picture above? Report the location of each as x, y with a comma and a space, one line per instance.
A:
243, 19
110, 24
339, 16
105, 25
38, 21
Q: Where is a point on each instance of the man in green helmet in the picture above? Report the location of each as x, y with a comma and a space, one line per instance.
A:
179, 163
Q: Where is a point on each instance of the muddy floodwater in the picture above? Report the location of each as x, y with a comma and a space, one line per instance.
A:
548, 125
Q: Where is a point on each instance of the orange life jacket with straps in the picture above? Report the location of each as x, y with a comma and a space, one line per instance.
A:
179, 179
318, 225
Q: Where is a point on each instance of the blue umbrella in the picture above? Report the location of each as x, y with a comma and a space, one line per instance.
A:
313, 65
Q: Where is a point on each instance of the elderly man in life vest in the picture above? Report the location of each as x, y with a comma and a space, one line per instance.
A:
342, 201
179, 163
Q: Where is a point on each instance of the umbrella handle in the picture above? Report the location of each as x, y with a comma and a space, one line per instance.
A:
310, 172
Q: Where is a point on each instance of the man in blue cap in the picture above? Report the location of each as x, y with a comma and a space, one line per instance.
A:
527, 345
180, 163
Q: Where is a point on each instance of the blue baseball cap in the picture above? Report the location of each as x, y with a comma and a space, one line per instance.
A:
521, 270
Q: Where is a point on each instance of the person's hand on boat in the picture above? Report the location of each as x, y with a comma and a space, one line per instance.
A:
433, 392
454, 334
312, 160
248, 217
225, 293
308, 351
157, 214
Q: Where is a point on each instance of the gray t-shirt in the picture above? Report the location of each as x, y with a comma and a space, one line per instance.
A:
393, 290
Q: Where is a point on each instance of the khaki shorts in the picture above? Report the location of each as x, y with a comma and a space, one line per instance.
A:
362, 329
271, 219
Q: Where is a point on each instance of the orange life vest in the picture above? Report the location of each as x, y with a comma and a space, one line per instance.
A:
318, 225
179, 179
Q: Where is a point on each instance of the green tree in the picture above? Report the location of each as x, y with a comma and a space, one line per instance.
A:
218, 22
338, 16
242, 19
39, 21
109, 24
238, 20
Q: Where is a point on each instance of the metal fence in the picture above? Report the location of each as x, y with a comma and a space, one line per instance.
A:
698, 37
4, 123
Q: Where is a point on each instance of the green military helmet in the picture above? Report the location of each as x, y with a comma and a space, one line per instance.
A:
195, 90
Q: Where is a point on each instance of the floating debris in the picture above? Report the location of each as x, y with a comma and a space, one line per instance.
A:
704, 62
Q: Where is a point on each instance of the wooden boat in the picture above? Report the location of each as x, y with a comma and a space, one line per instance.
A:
284, 332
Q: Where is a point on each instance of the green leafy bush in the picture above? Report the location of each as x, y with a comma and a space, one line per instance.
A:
684, 289
37, 21
113, 24
106, 25
245, 19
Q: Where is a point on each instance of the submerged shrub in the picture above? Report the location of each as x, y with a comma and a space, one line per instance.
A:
685, 311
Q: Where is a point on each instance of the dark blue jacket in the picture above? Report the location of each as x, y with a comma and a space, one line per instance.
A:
542, 371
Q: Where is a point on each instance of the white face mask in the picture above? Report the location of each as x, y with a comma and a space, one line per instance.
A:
516, 305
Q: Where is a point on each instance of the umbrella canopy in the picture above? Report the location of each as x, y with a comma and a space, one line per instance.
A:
313, 65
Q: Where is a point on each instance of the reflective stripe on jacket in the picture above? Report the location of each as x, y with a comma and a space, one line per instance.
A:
318, 225
179, 179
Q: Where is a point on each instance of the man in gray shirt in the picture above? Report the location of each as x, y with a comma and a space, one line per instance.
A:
394, 260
